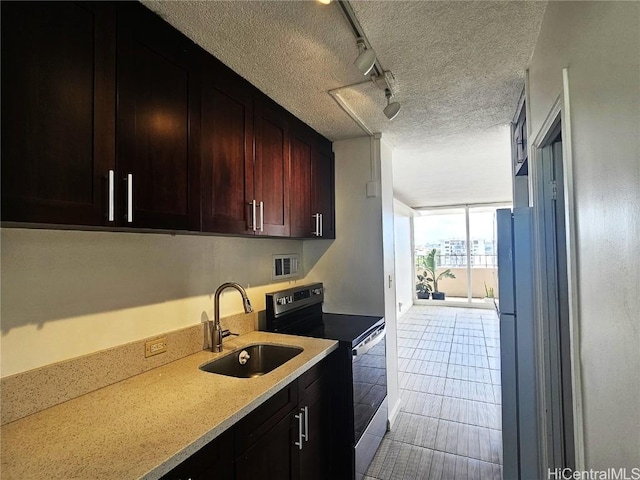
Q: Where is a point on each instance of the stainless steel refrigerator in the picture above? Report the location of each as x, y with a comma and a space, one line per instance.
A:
517, 345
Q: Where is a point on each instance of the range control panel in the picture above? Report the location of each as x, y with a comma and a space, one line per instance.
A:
285, 301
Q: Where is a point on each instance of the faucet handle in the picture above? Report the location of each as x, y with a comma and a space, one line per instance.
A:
227, 332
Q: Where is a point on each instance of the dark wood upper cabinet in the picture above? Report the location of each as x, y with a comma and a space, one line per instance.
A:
323, 190
245, 157
271, 168
312, 184
302, 221
111, 117
58, 101
227, 150
158, 123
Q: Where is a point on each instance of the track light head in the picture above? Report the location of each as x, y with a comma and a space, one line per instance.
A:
366, 59
392, 109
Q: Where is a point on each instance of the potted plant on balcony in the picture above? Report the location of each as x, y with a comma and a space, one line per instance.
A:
488, 293
423, 286
431, 267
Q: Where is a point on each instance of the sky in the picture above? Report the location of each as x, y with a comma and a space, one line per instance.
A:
435, 226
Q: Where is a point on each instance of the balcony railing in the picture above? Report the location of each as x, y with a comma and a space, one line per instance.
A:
484, 272
454, 260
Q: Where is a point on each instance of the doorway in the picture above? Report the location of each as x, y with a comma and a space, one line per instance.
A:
555, 301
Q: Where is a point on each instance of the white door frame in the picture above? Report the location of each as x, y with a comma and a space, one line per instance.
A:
561, 110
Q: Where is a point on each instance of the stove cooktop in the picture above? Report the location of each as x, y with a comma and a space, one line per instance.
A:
345, 328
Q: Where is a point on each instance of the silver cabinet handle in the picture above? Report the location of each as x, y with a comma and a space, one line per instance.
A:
111, 207
262, 216
253, 215
316, 231
299, 442
306, 423
321, 225
130, 198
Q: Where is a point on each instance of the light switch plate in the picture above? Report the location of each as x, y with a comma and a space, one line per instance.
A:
372, 189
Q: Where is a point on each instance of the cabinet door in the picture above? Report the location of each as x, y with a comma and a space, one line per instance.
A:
158, 122
271, 169
274, 456
214, 460
58, 99
312, 184
264, 439
302, 224
316, 458
227, 151
318, 399
323, 196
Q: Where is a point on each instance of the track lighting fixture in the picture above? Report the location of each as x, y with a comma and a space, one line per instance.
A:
392, 109
366, 58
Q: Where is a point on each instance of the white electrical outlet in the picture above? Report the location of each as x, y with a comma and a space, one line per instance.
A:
154, 347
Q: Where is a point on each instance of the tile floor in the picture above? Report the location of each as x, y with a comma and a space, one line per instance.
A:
449, 426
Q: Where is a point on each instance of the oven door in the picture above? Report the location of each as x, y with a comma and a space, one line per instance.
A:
369, 366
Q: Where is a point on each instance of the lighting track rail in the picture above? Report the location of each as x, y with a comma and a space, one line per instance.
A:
368, 63
358, 32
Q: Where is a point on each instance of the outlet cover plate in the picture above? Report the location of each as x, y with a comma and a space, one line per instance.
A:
155, 347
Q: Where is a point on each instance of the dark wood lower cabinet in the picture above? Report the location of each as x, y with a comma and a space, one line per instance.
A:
215, 460
271, 457
316, 402
266, 443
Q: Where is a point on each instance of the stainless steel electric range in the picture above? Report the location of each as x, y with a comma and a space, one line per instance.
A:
363, 383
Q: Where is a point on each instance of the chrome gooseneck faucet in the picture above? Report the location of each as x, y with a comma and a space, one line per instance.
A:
217, 334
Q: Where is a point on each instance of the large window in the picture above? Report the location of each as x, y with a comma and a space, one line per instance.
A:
456, 247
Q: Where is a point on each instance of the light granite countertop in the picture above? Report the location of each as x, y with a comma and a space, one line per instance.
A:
142, 427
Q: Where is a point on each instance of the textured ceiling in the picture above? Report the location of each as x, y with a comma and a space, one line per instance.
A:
458, 67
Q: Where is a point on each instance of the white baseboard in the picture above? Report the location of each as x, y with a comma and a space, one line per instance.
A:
393, 414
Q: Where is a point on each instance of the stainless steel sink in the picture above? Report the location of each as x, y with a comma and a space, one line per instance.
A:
252, 361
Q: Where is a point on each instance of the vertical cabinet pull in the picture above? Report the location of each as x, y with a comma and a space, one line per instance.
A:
300, 420
303, 421
253, 215
306, 423
130, 198
262, 216
318, 229
111, 195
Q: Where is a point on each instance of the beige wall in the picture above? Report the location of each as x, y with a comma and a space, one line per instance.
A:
405, 287
70, 293
599, 42
351, 266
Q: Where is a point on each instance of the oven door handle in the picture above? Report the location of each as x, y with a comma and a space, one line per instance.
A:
369, 342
